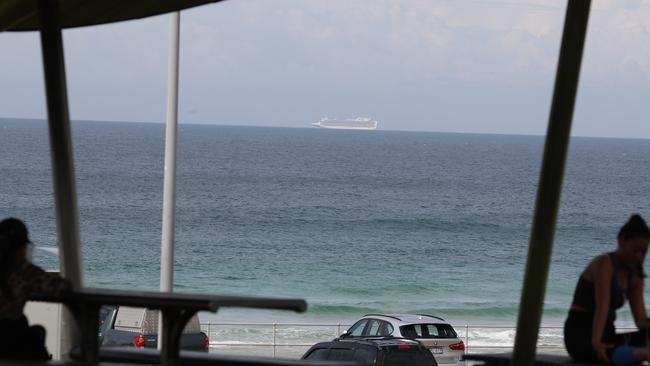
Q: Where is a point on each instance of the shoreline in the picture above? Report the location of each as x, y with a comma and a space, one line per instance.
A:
292, 339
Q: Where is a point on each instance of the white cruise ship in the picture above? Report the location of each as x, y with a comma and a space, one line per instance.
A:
359, 123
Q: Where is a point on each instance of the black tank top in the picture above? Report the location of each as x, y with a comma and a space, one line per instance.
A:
585, 294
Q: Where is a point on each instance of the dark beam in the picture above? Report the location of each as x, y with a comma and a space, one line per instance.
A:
550, 182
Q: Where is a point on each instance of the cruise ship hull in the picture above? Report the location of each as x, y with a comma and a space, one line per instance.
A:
360, 123
341, 127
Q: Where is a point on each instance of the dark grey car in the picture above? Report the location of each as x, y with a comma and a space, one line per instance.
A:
373, 352
125, 326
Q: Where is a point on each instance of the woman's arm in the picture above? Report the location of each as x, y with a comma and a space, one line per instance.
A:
36, 281
637, 304
602, 272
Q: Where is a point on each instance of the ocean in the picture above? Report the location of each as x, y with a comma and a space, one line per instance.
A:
352, 221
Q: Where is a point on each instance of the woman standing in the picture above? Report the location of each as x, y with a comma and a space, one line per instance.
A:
20, 280
603, 287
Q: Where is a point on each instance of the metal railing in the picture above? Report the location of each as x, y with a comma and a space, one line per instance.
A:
273, 336
210, 329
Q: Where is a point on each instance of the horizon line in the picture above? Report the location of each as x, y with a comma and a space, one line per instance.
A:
311, 127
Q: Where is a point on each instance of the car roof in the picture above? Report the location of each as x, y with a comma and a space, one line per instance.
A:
408, 318
137, 319
367, 342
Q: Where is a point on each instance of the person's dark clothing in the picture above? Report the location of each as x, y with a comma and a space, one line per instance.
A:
17, 339
24, 282
578, 327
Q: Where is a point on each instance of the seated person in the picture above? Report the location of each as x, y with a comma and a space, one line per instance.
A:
603, 287
20, 280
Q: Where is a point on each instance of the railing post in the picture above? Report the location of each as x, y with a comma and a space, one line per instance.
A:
466, 338
338, 330
275, 328
209, 334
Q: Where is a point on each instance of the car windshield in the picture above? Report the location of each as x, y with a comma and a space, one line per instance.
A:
104, 311
318, 354
357, 329
428, 331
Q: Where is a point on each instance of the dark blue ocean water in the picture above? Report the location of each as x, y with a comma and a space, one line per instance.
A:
352, 221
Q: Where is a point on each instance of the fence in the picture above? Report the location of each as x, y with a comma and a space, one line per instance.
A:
293, 339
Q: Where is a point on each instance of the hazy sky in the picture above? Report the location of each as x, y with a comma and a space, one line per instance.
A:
454, 65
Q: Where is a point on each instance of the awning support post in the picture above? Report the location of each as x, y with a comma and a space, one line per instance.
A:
65, 194
169, 188
63, 178
550, 183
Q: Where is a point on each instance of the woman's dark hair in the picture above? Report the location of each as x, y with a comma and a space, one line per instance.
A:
13, 237
634, 228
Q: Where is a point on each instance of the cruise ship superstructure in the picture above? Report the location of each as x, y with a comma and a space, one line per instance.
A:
359, 123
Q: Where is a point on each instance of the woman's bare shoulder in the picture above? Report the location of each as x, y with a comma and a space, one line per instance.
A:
599, 264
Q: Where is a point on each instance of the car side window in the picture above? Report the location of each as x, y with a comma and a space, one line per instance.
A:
318, 354
408, 331
373, 328
385, 329
357, 329
446, 331
418, 330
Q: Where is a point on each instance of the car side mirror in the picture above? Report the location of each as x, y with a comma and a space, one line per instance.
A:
344, 334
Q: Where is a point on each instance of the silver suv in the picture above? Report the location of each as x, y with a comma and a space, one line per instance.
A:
433, 332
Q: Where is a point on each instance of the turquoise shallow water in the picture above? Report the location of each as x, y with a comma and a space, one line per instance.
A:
352, 221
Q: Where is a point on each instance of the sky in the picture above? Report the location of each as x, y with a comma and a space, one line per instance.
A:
480, 66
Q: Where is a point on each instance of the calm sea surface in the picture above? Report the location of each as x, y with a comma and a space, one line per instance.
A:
352, 221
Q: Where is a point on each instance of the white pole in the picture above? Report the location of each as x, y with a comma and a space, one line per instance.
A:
169, 189
65, 193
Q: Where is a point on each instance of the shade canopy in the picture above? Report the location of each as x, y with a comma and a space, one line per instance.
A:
22, 15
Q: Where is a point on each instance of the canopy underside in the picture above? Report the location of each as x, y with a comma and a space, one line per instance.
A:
22, 15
